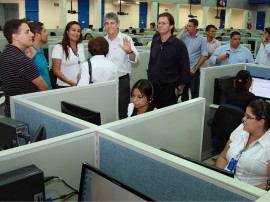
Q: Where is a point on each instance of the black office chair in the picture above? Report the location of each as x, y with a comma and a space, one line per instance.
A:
226, 119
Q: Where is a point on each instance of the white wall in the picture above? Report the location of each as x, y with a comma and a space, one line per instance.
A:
237, 19
51, 18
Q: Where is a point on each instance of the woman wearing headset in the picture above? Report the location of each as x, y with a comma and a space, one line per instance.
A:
142, 98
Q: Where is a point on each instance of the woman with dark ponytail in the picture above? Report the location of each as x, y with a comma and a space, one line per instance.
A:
240, 95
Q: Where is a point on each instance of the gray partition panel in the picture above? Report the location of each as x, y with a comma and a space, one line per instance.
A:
158, 180
53, 125
101, 97
61, 156
138, 70
207, 81
259, 71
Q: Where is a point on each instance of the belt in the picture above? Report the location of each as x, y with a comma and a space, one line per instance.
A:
124, 76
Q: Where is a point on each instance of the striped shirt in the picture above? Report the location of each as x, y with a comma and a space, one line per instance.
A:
16, 73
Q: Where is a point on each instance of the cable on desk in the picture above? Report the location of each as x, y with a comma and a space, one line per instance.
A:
65, 196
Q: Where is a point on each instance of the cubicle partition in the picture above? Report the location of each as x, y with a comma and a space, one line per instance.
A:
159, 175
60, 156
55, 123
208, 76
164, 177
42, 107
207, 81
258, 70
177, 128
127, 150
139, 69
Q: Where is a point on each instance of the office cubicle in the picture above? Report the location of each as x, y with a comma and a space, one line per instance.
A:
35, 108
207, 79
171, 128
127, 155
157, 174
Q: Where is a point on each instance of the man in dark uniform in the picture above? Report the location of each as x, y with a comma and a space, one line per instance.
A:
168, 68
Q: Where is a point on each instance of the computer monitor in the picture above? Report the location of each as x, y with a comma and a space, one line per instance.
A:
219, 170
95, 185
195, 2
260, 87
40, 134
81, 112
221, 86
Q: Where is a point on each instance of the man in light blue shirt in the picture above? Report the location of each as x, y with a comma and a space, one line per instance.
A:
232, 53
197, 51
40, 38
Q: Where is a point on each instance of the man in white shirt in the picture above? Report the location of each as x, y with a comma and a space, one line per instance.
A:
212, 43
122, 52
263, 55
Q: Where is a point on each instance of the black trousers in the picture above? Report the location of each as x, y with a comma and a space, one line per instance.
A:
193, 86
123, 96
164, 95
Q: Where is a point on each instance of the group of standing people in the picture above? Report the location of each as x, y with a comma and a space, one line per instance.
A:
173, 69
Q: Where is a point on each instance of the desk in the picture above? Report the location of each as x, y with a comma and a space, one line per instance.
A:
213, 106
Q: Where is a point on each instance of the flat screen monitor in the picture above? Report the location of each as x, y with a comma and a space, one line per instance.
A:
221, 86
222, 3
219, 170
95, 185
40, 134
195, 2
81, 112
260, 87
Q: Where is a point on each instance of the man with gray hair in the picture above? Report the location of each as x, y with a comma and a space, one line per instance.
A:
122, 52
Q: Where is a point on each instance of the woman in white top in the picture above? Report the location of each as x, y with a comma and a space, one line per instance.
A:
142, 94
68, 55
102, 68
247, 152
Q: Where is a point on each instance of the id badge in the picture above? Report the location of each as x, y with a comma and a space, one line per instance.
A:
232, 165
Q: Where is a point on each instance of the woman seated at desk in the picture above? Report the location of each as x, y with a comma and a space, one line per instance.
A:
240, 95
142, 94
247, 153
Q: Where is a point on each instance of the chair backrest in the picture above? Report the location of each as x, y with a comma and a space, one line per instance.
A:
226, 119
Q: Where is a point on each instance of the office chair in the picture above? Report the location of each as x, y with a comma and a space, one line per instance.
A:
226, 119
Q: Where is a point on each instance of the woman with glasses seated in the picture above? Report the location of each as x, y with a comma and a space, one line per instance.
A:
247, 153
240, 95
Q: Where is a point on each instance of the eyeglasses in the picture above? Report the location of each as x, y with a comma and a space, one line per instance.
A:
163, 23
249, 117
